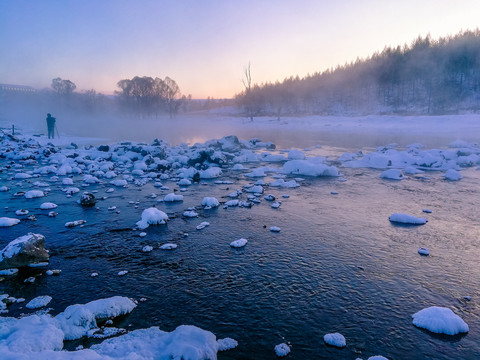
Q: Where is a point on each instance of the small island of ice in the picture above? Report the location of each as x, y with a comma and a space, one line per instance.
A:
335, 339
407, 219
152, 216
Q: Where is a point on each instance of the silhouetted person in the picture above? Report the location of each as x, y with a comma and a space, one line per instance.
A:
51, 126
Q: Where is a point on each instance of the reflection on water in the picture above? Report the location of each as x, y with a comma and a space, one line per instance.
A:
337, 265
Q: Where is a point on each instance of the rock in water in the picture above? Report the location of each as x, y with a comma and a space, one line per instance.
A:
88, 199
23, 251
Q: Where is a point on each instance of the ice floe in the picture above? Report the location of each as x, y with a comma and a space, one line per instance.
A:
335, 339
38, 302
239, 243
282, 349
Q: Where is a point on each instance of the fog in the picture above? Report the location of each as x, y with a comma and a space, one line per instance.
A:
347, 132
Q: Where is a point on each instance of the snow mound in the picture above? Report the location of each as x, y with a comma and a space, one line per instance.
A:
423, 251
185, 342
284, 184
77, 320
5, 221
48, 206
31, 194
168, 246
152, 216
282, 349
39, 301
452, 175
440, 320
210, 202
172, 197
392, 174
308, 168
239, 243
407, 219
226, 344
335, 339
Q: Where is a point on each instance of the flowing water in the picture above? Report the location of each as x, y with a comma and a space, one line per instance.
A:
337, 265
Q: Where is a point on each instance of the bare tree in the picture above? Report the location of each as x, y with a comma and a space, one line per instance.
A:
248, 96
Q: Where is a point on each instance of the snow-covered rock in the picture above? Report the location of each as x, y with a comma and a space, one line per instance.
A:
282, 349
407, 219
311, 167
423, 251
392, 174
335, 339
172, 197
452, 175
5, 221
226, 344
23, 251
31, 194
48, 206
152, 216
440, 320
239, 243
168, 246
38, 302
210, 202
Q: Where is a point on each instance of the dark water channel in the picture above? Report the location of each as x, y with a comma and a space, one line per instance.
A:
337, 265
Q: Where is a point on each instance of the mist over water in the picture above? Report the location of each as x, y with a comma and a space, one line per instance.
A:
301, 132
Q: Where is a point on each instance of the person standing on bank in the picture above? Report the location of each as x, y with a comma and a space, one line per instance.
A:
51, 126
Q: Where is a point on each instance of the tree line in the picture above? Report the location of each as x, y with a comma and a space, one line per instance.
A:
426, 77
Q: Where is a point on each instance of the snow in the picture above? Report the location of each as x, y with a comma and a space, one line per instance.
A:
392, 174
38, 302
310, 167
226, 344
284, 184
282, 349
34, 194
452, 175
5, 221
8, 272
335, 339
147, 248
15, 246
77, 320
152, 216
440, 320
172, 197
48, 206
239, 243
119, 183
185, 342
407, 219
168, 246
190, 214
210, 202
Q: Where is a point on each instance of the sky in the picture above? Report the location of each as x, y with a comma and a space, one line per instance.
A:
205, 45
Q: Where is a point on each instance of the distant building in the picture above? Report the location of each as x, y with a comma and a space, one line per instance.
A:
9, 88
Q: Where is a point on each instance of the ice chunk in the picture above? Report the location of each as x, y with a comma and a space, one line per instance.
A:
119, 183
407, 219
335, 339
152, 216
147, 248
274, 229
39, 301
190, 214
440, 320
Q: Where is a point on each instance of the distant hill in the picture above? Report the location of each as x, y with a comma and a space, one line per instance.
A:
427, 77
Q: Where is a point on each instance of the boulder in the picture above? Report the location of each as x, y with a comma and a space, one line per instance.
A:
23, 251
88, 199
